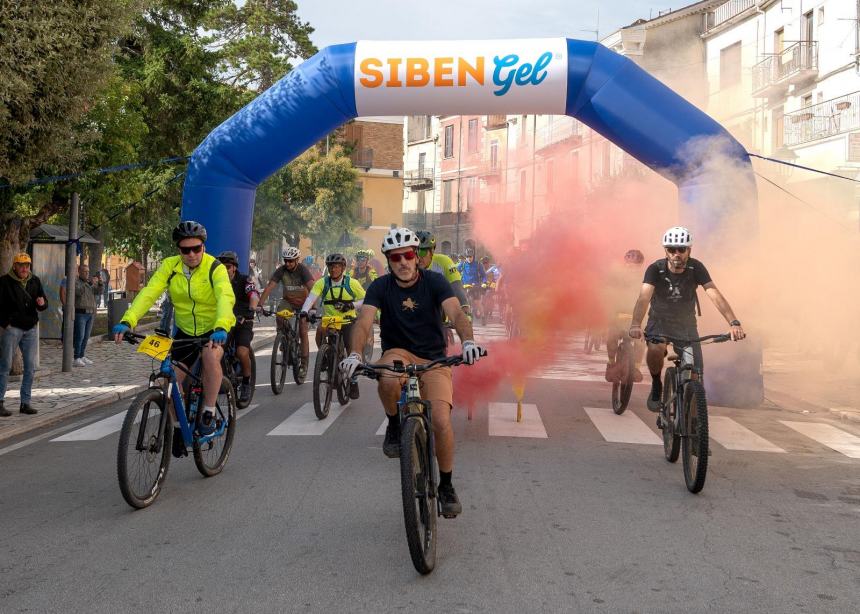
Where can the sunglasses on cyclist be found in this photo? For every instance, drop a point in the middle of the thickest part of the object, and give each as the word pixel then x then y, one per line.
pixel 676 250
pixel 399 257
pixel 192 248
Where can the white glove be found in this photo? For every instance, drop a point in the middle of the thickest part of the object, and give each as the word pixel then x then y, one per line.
pixel 471 352
pixel 349 364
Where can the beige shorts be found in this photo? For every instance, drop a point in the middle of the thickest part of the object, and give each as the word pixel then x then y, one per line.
pixel 436 384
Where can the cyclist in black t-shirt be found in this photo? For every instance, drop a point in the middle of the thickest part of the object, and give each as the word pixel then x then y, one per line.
pixel 412 302
pixel 669 288
pixel 246 304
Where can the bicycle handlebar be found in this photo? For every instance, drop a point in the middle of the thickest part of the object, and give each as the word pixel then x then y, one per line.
pixel 135 338
pixel 706 339
pixel 371 371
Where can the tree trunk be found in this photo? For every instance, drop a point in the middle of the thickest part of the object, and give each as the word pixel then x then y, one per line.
pixel 14 234
pixel 95 250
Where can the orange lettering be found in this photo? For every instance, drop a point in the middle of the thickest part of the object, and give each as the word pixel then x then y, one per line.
pixel 394 77
pixel 477 71
pixel 374 77
pixel 444 67
pixel 417 72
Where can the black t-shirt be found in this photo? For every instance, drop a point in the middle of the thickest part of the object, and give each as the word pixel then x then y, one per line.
pixel 411 317
pixel 243 288
pixel 295 282
pixel 674 297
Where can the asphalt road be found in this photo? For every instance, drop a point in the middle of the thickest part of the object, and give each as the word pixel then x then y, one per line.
pixel 571 522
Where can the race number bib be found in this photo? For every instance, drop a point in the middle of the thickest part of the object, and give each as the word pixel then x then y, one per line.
pixel 155 346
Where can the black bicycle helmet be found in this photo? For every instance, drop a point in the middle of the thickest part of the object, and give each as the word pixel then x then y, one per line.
pixel 426 240
pixel 229 257
pixel 335 259
pixel 189 229
pixel 634 256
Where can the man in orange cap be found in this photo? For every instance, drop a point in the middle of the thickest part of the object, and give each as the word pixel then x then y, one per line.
pixel 21 297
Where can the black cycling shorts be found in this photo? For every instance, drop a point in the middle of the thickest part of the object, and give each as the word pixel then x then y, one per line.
pixel 243 333
pixel 188 354
pixel 657 327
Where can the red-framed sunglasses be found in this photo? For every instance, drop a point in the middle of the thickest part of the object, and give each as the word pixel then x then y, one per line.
pixel 398 257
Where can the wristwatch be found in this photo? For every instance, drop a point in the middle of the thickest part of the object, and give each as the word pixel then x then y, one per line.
pixel 735 323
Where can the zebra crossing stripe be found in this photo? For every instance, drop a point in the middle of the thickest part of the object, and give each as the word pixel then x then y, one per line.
pixel 832 437
pixel 304 421
pixel 96 430
pixel 734 436
pixel 626 428
pixel 502 421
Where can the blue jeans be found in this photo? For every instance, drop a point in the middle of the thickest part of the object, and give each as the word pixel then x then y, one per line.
pixel 83 328
pixel 28 341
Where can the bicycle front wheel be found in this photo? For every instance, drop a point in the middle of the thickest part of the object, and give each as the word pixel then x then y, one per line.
pixel 278 365
pixel 695 442
pixel 341 383
pixel 211 456
pixel 622 389
pixel 671 437
pixel 324 381
pixel 142 456
pixel 419 503
pixel 295 351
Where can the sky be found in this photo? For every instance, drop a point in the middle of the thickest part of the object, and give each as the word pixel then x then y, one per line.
pixel 342 21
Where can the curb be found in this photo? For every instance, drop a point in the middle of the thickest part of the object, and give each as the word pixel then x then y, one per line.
pixel 94 403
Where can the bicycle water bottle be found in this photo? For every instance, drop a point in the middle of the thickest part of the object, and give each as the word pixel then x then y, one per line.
pixel 194 399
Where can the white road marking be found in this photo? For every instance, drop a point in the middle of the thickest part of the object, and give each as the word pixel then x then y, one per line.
pixel 304 421
pixel 382 427
pixel 626 428
pixel 502 421
pixel 832 437
pixel 241 413
pixel 734 436
pixel 96 430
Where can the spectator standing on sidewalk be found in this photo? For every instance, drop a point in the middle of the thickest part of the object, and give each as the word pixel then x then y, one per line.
pixel 85 313
pixel 21 297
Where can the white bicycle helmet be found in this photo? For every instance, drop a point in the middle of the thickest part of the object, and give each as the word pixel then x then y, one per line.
pixel 677 236
pixel 291 253
pixel 399 237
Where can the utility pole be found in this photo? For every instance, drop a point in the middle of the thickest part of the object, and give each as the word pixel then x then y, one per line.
pixel 71 280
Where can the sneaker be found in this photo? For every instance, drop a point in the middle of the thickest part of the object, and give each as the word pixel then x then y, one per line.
pixel 178 450
pixel 207 424
pixel 5 413
pixel 26 409
pixel 303 370
pixel 654 401
pixel 448 501
pixel 79 362
pixel 353 391
pixel 244 393
pixel 391 445
pixel 86 360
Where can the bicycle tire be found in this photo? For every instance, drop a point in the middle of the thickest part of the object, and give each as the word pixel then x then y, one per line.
pixel 252 383
pixel 208 463
pixel 142 497
pixel 342 384
pixel 671 439
pixel 278 364
pixel 622 389
pixel 586 346
pixel 419 505
pixel 295 354
pixel 322 387
pixel 695 442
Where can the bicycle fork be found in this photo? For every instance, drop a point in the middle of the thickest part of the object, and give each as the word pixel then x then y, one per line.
pixel 411 394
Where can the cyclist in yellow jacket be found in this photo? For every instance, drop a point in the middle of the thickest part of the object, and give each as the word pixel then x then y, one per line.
pixel 203 300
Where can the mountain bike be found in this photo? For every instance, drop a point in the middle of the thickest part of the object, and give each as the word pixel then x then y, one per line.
pixel 286 349
pixel 683 416
pixel 474 294
pixel 625 360
pixel 232 368
pixel 419 472
pixel 146 437
pixel 327 375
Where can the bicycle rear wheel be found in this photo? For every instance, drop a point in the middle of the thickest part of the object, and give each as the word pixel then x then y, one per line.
pixel 252 384
pixel 211 456
pixel 622 389
pixel 295 353
pixel 419 504
pixel 143 460
pixel 278 365
pixel 695 442
pixel 671 438
pixel 323 381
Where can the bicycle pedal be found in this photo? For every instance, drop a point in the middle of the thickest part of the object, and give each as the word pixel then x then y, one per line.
pixel 449 516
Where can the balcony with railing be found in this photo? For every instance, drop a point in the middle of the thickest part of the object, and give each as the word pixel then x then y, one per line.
pixel 558 129
pixel 822 120
pixel 419 179
pixel 775 73
pixel 726 11
pixel 362 157
pixel 494 122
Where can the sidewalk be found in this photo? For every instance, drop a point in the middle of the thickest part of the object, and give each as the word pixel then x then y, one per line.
pixel 118 372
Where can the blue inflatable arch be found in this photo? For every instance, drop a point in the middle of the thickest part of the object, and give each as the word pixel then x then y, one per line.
pixel 584 80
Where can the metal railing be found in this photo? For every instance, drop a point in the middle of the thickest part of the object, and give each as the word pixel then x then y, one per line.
pixel 419 179
pixel 822 120
pixel 726 11
pixel 794 63
pixel 362 157
pixel 557 129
